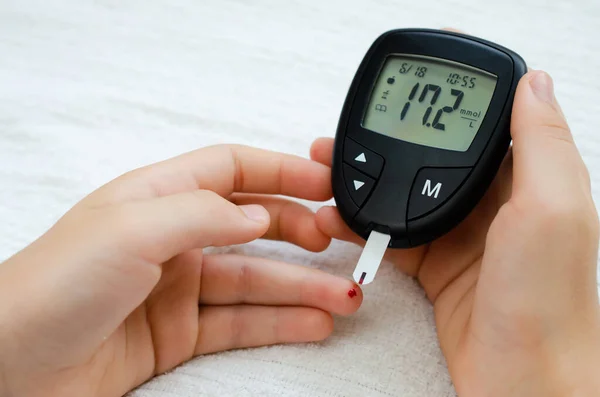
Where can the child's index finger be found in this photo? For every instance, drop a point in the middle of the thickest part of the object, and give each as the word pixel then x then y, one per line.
pixel 224 169
pixel 234 279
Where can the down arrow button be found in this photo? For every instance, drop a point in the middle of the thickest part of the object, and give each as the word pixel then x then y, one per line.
pixel 358 184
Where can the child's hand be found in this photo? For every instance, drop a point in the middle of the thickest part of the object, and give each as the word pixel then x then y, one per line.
pixel 514 286
pixel 119 290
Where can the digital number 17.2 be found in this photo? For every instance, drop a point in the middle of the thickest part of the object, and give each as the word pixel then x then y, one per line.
pixel 436 91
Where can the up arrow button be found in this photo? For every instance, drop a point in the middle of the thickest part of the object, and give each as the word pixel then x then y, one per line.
pixel 361 158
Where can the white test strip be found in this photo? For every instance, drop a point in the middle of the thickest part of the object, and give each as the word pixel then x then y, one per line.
pixel 371 257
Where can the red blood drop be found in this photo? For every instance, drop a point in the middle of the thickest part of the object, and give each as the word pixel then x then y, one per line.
pixel 352 293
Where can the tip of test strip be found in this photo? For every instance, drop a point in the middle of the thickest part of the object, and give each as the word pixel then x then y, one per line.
pixel 371 257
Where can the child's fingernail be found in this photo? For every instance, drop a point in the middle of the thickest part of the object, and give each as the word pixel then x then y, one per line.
pixel 542 86
pixel 255 212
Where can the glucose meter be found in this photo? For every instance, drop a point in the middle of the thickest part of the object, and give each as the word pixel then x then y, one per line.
pixel 421 136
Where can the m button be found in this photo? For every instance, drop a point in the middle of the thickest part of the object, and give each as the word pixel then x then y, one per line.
pixel 432 187
pixel 358 185
pixel 362 158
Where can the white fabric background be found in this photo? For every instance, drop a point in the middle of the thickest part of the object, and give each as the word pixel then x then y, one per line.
pixel 91 89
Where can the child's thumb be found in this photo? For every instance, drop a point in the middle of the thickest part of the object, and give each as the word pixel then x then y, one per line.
pixel 164 227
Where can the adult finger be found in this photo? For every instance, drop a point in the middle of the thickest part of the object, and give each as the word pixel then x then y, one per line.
pixel 224 169
pixel 290 221
pixel 233 327
pixel 236 279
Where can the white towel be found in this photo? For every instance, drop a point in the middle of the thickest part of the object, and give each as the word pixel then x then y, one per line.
pixel 91 89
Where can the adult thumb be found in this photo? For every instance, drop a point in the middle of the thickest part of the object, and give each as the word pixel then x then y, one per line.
pixel 550 224
pixel 547 165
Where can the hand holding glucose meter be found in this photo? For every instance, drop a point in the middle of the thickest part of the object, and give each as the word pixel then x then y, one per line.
pixel 421 136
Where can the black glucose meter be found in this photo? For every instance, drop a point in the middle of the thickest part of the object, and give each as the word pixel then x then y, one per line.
pixel 422 133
